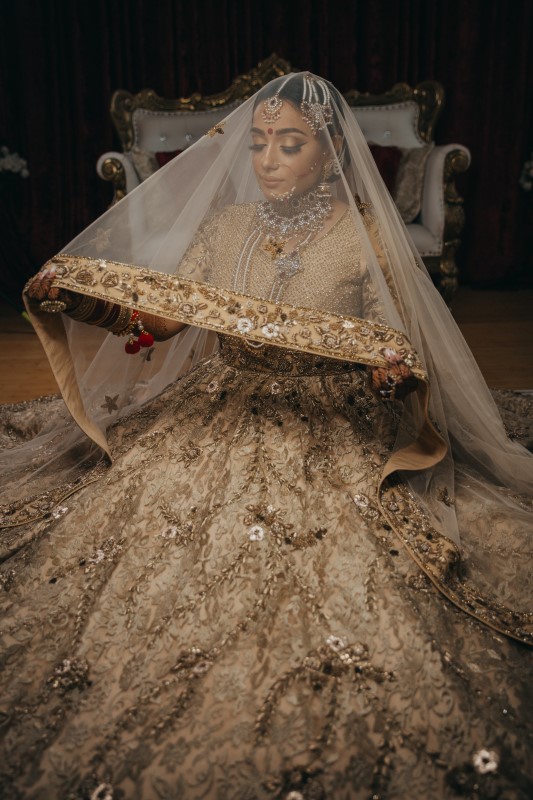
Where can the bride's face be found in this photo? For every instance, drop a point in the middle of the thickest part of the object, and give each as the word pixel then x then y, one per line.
pixel 287 156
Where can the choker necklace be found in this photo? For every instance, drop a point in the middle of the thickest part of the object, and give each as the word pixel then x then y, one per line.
pixel 295 215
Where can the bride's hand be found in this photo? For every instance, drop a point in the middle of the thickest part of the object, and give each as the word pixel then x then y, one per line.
pixel 41 287
pixel 394 382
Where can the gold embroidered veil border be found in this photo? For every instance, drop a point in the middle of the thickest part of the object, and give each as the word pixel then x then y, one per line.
pixel 220 310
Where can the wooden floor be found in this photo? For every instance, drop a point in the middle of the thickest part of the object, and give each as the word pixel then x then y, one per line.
pixel 498 326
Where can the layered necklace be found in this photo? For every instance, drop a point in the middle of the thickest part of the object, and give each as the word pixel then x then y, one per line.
pixel 296 218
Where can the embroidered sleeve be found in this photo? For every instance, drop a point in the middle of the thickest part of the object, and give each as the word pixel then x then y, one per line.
pixel 197 261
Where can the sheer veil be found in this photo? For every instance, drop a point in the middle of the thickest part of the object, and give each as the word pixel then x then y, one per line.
pixel 156 241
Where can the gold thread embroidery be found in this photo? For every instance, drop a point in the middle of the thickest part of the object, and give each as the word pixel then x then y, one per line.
pixel 218 128
pixel 184 300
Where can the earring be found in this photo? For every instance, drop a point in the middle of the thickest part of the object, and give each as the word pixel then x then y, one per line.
pixel 327 170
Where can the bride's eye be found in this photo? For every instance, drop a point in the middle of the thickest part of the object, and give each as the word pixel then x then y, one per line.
pixel 295 148
pixel 256 147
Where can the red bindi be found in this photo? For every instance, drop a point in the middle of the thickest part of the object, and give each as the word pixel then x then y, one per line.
pixel 270 131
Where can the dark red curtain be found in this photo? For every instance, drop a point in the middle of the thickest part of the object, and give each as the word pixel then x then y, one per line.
pixel 60 61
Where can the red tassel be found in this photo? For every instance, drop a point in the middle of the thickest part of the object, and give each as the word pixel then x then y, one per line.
pixel 132 347
pixel 137 336
pixel 145 339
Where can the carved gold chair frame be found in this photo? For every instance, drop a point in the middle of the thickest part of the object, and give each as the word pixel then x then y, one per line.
pixel 124 104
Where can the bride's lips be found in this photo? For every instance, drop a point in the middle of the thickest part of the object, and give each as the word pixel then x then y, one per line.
pixel 271 181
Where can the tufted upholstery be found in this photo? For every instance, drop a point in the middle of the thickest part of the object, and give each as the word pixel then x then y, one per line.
pixel 403 117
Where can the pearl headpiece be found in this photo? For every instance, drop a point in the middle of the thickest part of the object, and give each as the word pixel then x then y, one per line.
pixel 315 106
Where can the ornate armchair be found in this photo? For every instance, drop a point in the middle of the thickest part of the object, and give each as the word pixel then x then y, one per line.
pixel 153 129
pixel 404 119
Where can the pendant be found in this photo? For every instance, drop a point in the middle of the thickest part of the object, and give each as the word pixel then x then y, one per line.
pixel 288 264
pixel 274 247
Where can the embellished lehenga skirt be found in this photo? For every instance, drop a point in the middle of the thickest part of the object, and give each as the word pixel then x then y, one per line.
pixel 225 613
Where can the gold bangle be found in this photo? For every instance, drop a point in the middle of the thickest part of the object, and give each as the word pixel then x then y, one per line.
pixel 112 316
pixel 132 327
pixel 122 322
pixel 105 315
pixel 83 310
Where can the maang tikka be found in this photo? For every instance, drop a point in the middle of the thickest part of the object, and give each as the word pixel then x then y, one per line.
pixel 315 106
pixel 272 105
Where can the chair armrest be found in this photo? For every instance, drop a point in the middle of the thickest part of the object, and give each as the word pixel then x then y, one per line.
pixel 444 162
pixel 117 168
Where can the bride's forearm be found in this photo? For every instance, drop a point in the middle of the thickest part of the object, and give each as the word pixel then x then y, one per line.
pixel 161 328
pixel 116 318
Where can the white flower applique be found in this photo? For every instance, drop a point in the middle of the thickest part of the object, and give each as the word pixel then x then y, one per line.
pixel 256 533
pixel 270 330
pixel 485 761
pixel 244 325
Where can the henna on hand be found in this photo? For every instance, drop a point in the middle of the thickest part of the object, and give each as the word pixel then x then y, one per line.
pixel 394 382
pixel 41 287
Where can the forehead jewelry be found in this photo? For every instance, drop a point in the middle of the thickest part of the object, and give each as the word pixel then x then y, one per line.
pixel 315 106
pixel 316 103
pixel 272 105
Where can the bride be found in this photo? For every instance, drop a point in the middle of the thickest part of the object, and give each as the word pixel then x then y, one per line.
pixel 282 552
